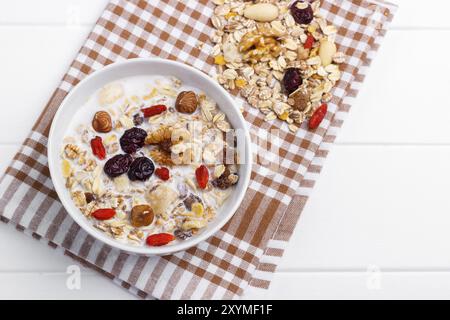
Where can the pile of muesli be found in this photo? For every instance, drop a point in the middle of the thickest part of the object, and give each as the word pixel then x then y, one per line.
pixel 151 165
pixel 280 55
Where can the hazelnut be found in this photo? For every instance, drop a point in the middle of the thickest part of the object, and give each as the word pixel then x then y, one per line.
pixel 102 122
pixel 186 102
pixel 141 215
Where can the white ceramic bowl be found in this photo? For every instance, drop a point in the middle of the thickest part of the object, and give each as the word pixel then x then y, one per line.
pixel 136 67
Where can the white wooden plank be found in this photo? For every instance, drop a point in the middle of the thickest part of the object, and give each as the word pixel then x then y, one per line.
pixel 54 286
pixel 32 67
pixel 382 206
pixel 404 98
pixel 50 12
pixel 364 285
pixel 308 285
pixel 412 13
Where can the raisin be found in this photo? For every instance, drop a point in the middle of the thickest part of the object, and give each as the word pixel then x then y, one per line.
pixel 133 139
pixel 190 200
pixel 222 182
pixel 138 119
pixel 141 216
pixel 89 197
pixel 302 16
pixel 182 235
pixel 292 80
pixel 117 165
pixel 141 169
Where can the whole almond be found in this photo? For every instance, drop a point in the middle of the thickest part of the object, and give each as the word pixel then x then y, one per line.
pixel 102 122
pixel 262 12
pixel 326 52
pixel 186 102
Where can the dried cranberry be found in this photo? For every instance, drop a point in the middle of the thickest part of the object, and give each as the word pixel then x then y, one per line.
pixel 138 119
pixel 141 169
pixel 133 139
pixel 292 80
pixel 302 16
pixel 117 165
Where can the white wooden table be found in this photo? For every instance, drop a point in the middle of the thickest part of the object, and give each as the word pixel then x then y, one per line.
pixel 378 223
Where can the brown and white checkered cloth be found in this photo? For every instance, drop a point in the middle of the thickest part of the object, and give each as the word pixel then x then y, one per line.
pixel 245 253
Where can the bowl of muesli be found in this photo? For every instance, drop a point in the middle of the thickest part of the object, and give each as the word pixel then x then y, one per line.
pixel 150 156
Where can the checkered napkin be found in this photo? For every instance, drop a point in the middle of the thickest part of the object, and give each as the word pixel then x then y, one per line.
pixel 245 253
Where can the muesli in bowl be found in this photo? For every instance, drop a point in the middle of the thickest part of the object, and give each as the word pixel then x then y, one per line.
pixel 152 162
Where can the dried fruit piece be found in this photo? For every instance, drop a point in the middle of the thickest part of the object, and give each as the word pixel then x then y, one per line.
pixel 138 119
pixel 198 209
pixel 318 116
pixel 117 165
pixel 98 149
pixel 133 139
pixel 141 216
pixel 141 169
pixel 104 214
pixel 292 80
pixel 220 60
pixel 302 12
pixel 154 110
pixel 89 197
pixel 160 239
pixel 190 200
pixel 225 181
pixel 186 102
pixel 66 168
pixel 102 122
pixel 309 42
pixel 183 235
pixel 194 224
pixel 202 176
pixel 163 173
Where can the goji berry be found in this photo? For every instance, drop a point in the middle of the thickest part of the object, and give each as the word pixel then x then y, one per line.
pixel 160 239
pixel 154 110
pixel 318 116
pixel 309 42
pixel 104 214
pixel 163 173
pixel 98 149
pixel 202 175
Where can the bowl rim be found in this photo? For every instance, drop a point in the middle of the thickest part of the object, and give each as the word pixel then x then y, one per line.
pixel 146 250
